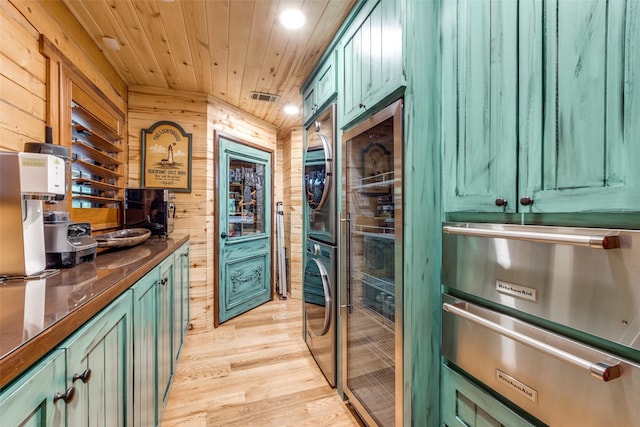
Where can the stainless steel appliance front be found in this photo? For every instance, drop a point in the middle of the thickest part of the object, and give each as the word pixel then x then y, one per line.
pixel 320 306
pixel 319 188
pixel 538 314
pixel 372 267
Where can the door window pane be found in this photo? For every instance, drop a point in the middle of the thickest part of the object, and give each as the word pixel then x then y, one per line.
pixel 246 198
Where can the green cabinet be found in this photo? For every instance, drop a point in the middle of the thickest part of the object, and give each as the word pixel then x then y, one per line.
pixel 99 367
pixel 479 85
pixel 371 53
pixel 30 400
pixel 159 302
pixel 85 381
pixel 537 117
pixel 181 298
pixel 144 348
pixel 165 330
pixel 320 90
pixel 463 404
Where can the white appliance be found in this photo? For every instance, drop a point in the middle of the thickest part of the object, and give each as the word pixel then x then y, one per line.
pixel 26 180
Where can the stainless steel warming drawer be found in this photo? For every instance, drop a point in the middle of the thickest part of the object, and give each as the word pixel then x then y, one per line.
pixel 548 317
pixel 548 375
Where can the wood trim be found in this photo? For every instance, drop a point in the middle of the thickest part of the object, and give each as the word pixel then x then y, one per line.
pixel 51 52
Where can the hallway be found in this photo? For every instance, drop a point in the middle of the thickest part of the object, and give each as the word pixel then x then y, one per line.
pixel 254 370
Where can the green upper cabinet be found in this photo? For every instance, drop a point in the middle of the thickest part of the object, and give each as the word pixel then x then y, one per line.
pixel 579 105
pixel 320 90
pixel 549 125
pixel 479 100
pixel 371 51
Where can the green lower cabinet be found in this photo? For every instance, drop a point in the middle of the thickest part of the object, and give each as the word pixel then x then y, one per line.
pixel 156 331
pixel 181 299
pixel 165 330
pixel 144 349
pixel 99 366
pixel 30 400
pixel 463 404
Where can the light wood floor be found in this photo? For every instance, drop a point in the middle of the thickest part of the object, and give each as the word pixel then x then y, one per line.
pixel 254 370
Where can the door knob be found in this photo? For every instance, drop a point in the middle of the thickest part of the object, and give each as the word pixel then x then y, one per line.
pixel 223 235
pixel 501 202
pixel 526 201
pixel 85 376
pixel 67 396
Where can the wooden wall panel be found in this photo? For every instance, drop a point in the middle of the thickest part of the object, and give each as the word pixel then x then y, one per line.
pixel 23 70
pixel 189 110
pixel 199 115
pixel 293 209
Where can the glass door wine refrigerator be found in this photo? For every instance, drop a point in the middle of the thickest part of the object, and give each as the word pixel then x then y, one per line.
pixel 372 273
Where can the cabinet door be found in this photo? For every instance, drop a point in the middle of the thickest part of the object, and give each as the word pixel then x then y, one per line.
pixel 372 55
pixel 29 401
pixel 580 105
pixel 181 299
pixel 321 89
pixel 145 350
pixel 165 331
pixel 99 366
pixel 309 107
pixel 464 404
pixel 479 105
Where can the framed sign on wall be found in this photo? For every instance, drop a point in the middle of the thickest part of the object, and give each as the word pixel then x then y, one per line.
pixel 166 157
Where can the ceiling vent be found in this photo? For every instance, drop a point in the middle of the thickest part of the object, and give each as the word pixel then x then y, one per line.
pixel 261 96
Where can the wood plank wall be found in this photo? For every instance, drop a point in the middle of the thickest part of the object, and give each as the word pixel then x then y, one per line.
pixel 293 209
pixel 199 115
pixel 23 106
pixel 23 74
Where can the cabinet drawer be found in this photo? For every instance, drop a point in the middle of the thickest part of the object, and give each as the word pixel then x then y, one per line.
pixel 464 404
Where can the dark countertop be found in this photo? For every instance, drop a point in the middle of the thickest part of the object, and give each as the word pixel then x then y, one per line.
pixel 37 315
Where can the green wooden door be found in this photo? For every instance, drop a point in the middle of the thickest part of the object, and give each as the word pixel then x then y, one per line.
pixel 580 105
pixel 244 242
pixel 479 100
pixel 372 55
pixel 165 330
pixel 145 350
pixel 465 405
pixel 99 366
pixel 29 401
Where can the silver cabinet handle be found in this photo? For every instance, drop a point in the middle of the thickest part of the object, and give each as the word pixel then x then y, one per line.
pixel 604 371
pixel 595 241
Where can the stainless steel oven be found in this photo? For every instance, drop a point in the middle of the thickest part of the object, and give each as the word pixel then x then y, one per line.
pixel 547 318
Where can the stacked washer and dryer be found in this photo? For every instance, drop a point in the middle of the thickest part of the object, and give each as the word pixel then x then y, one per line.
pixel 320 273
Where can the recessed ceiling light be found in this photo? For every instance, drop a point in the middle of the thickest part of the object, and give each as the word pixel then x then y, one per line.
pixel 110 43
pixel 291 109
pixel 292 18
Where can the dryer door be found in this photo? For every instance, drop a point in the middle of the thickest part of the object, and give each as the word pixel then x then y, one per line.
pixel 317 297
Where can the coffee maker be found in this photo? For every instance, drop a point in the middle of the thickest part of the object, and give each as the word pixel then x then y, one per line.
pixel 27 179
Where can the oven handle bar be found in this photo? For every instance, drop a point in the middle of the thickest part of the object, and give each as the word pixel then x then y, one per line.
pixel 604 371
pixel 594 241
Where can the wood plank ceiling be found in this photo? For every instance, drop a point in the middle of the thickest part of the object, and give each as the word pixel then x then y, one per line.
pixel 225 48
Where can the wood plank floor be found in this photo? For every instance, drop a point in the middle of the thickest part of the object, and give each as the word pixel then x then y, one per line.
pixel 254 370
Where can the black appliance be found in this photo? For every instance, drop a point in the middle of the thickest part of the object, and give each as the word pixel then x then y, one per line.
pixel 150 208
